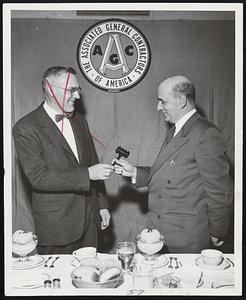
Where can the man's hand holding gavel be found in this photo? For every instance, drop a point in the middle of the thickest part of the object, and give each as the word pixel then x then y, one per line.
pixel 124 168
pixel 121 166
pixel 100 171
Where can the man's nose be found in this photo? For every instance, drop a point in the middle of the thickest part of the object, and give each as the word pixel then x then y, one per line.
pixel 159 105
pixel 76 95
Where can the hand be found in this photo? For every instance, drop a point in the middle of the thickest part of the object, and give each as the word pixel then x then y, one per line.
pixel 216 241
pixel 100 171
pixel 124 168
pixel 105 218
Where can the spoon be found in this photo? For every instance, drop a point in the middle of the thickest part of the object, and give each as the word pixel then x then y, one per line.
pixel 170 265
pixel 52 265
pixel 45 265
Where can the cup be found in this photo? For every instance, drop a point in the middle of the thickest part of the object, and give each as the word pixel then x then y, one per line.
pixel 85 252
pixel 211 257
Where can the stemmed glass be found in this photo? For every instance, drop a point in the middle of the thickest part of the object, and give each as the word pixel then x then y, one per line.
pixel 23 250
pixel 150 248
pixel 125 252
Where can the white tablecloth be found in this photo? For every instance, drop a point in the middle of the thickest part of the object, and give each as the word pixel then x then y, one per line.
pixel 189 273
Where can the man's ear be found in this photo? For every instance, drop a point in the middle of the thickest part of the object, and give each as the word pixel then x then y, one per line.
pixel 48 88
pixel 182 101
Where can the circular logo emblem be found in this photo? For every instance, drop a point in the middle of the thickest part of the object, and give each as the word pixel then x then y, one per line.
pixel 113 55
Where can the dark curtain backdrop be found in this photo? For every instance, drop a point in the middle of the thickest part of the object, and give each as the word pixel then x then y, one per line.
pixel 201 50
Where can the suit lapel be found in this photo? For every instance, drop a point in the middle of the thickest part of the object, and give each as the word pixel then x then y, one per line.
pixel 173 146
pixel 167 151
pixel 48 126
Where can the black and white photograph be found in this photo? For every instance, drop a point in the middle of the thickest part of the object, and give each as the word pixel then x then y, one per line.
pixel 123 128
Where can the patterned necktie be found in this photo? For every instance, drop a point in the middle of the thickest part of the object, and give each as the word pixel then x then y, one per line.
pixel 170 133
pixel 58 118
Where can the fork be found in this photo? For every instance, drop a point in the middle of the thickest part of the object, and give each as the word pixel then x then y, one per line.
pixel 52 265
pixel 170 264
pixel 176 260
pixel 45 265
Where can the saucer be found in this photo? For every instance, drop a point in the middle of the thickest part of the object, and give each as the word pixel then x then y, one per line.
pixel 222 266
pixel 220 284
pixel 31 262
pixel 158 262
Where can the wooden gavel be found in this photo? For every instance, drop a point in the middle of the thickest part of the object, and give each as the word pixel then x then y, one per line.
pixel 121 153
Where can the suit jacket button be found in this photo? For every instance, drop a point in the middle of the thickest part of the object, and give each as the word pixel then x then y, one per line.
pixel 168 181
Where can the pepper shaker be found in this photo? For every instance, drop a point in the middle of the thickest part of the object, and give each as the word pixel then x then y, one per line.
pixel 56 283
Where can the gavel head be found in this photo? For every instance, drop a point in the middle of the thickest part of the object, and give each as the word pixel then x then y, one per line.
pixel 122 152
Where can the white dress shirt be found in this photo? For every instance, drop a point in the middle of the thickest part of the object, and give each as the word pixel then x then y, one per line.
pixel 183 120
pixel 65 128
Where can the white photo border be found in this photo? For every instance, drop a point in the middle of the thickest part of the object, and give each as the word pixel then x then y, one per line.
pixel 238 9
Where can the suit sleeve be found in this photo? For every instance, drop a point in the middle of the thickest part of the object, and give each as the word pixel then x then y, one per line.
pixel 214 169
pixel 97 184
pixel 29 151
pixel 142 176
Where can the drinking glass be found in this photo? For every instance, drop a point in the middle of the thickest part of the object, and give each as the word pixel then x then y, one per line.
pixel 125 252
pixel 149 248
pixel 23 249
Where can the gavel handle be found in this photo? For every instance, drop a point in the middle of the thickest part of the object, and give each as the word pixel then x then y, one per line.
pixel 115 163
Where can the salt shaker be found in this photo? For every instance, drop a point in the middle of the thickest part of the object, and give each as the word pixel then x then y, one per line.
pixel 56 283
pixel 47 283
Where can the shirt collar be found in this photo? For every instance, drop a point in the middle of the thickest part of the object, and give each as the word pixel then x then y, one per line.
pixel 50 111
pixel 183 120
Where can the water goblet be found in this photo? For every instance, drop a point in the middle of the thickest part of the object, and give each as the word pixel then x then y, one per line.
pixel 150 248
pixel 23 249
pixel 125 252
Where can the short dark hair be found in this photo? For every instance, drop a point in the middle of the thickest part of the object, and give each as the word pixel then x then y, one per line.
pixel 55 71
pixel 185 88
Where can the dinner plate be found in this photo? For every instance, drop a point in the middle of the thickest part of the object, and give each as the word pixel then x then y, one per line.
pixel 32 283
pixel 222 266
pixel 32 262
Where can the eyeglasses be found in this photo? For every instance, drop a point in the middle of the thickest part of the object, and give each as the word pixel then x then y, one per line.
pixel 72 90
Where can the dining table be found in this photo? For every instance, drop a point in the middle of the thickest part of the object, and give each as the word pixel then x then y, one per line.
pixel 195 276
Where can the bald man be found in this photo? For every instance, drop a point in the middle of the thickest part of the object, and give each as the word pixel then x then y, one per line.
pixel 190 190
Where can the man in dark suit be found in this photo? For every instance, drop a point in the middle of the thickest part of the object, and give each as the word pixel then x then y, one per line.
pixel 190 190
pixel 57 154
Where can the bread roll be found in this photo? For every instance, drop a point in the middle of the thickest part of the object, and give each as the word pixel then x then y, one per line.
pixel 87 273
pixel 91 261
pixel 110 274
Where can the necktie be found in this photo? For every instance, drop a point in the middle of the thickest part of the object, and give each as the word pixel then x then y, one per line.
pixel 170 133
pixel 58 118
